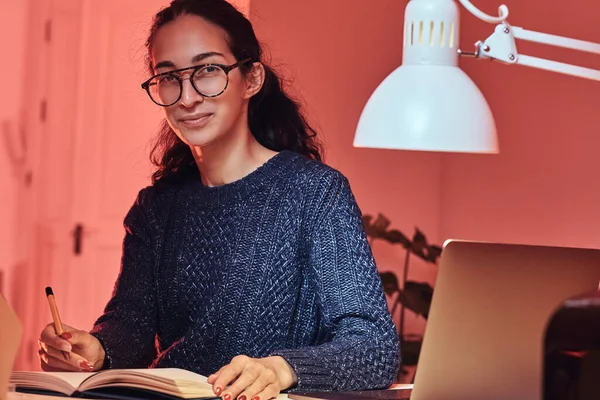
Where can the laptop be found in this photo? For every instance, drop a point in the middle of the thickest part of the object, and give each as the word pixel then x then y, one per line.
pixel 485 332
pixel 10 338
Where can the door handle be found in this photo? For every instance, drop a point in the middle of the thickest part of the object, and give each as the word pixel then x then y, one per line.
pixel 77 239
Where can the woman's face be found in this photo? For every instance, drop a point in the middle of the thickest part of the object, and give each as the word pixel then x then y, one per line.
pixel 197 120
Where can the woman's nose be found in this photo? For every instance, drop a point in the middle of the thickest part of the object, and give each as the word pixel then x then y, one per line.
pixel 189 95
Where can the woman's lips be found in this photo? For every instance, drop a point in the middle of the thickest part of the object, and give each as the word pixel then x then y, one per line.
pixel 196 121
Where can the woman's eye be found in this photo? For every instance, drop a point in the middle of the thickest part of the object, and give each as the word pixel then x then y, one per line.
pixel 210 69
pixel 167 78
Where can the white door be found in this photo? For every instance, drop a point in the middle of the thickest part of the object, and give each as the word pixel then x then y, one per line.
pixel 91 154
pixel 114 124
pixel 45 203
pixel 90 157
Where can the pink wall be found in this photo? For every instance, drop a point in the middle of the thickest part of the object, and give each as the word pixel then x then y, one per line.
pixel 12 39
pixel 542 187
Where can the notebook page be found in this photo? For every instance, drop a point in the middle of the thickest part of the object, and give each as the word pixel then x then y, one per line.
pixel 65 382
pixel 166 375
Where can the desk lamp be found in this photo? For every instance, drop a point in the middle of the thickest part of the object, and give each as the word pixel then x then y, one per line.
pixel 429 103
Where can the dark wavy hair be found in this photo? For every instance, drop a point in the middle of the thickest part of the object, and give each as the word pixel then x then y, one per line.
pixel 274 117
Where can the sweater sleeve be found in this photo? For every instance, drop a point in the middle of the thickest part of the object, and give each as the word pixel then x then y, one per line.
pixel 128 326
pixel 363 350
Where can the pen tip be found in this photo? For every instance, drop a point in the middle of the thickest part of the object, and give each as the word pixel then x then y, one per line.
pixel 49 291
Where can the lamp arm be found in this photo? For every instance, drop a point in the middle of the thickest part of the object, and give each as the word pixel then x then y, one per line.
pixel 554 40
pixel 563 68
pixel 502 12
pixel 501 46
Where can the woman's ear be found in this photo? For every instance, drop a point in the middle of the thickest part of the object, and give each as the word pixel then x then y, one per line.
pixel 255 79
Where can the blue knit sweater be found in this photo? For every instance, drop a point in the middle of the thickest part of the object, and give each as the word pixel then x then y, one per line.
pixel 276 263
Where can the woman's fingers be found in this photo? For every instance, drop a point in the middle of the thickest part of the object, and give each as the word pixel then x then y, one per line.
pixel 212 377
pixel 251 375
pixel 50 338
pixel 263 385
pixel 246 378
pixel 269 392
pixel 55 358
pixel 73 346
pixel 222 385
pixel 54 364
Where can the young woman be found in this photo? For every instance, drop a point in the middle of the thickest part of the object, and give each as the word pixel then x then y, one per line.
pixel 246 260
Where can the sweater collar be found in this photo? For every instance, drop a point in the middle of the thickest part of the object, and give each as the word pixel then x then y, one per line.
pixel 240 189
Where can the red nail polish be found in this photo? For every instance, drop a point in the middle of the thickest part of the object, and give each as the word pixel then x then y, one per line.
pixel 66 336
pixel 218 391
pixel 86 366
pixel 256 398
pixel 242 397
pixel 227 397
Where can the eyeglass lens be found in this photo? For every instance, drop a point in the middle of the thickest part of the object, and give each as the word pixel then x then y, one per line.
pixel 210 80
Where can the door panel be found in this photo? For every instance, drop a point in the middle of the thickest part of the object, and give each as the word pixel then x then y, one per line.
pixel 116 122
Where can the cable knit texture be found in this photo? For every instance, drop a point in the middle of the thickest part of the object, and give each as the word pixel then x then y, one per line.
pixel 276 263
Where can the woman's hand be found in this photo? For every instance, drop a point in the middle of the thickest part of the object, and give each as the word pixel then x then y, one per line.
pixel 248 378
pixel 74 350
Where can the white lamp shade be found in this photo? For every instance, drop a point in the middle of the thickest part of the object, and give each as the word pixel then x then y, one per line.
pixel 428 108
pixel 428 103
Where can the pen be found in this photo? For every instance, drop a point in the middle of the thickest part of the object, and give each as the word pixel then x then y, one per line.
pixel 56 318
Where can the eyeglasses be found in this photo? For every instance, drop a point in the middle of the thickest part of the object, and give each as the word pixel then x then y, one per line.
pixel 209 80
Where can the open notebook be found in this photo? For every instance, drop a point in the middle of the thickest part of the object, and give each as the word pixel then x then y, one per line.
pixel 171 383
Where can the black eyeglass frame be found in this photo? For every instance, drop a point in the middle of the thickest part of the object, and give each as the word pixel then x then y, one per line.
pixel 195 68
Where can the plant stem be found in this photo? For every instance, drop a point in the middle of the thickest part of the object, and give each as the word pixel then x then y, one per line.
pixel 404 278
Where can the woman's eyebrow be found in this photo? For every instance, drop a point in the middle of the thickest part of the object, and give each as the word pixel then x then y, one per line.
pixel 197 58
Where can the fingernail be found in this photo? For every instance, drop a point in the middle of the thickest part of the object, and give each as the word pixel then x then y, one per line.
pixel 66 355
pixel 227 397
pixel 256 398
pixel 66 336
pixel 242 397
pixel 86 366
pixel 218 391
